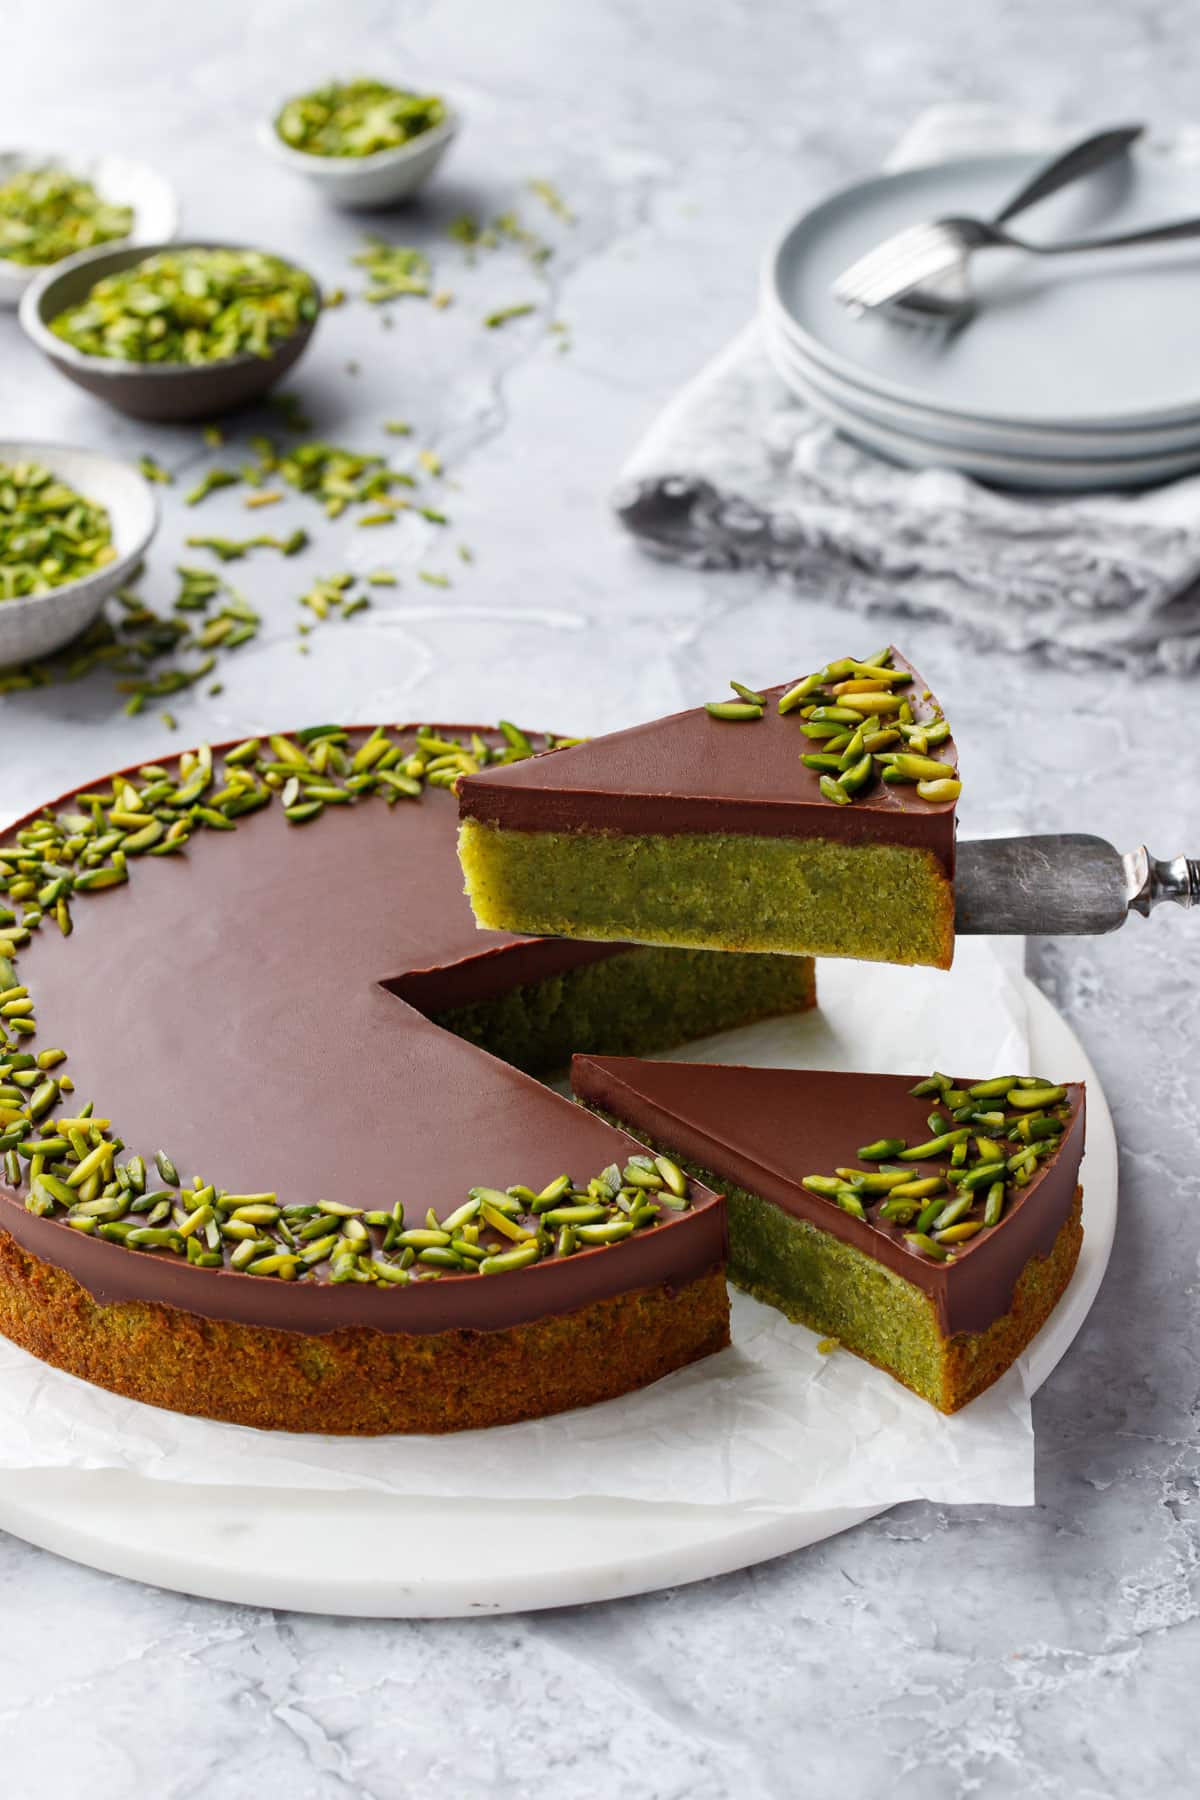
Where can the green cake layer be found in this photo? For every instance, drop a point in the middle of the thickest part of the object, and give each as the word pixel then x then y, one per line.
pixel 878 902
pixel 814 818
pixel 818 1280
pixel 632 1004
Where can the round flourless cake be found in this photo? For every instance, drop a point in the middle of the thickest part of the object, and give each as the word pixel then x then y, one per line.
pixel 277 1177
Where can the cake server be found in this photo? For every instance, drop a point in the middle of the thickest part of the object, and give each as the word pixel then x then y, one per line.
pixel 1065 885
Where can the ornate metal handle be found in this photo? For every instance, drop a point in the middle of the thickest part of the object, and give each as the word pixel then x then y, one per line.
pixel 1148 881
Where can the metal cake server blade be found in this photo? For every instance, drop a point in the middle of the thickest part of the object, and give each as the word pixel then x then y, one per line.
pixel 1065 885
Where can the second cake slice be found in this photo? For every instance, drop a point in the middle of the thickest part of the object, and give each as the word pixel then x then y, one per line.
pixel 930 1226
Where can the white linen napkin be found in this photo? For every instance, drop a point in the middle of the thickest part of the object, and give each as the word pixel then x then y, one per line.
pixel 739 473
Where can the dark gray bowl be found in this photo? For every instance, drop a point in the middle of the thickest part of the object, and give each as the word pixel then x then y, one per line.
pixel 167 391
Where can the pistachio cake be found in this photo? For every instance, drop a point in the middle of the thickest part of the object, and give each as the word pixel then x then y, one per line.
pixel 812 818
pixel 930 1226
pixel 257 1161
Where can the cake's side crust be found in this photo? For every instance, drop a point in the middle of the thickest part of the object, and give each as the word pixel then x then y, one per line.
pixel 642 1000
pixel 359 1382
pixel 972 1363
pixel 718 891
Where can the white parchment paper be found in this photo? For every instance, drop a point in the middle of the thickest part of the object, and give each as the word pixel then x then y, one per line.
pixel 769 1422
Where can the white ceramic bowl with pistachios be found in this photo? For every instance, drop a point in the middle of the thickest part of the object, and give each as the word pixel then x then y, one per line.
pixel 119 182
pixel 355 181
pixel 34 624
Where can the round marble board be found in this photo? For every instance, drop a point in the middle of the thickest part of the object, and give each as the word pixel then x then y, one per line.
pixel 252 1546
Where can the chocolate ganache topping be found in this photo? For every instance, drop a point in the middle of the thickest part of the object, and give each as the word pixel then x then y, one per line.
pixel 251 1006
pixel 690 773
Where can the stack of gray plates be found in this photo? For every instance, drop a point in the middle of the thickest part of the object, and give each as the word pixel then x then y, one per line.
pixel 1075 373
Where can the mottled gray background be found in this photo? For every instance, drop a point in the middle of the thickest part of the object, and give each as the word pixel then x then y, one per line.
pixel 931 1654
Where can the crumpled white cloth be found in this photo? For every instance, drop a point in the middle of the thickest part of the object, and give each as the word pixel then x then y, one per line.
pixel 738 473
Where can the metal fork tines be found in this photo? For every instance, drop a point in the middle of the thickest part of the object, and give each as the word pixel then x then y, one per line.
pixel 919 254
pixel 924 266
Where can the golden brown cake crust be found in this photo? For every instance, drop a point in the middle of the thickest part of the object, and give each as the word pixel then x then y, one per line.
pixel 972 1363
pixel 358 1382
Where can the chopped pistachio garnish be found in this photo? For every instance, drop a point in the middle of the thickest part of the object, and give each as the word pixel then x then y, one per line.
pixel 549 195
pixel 393 271
pixel 192 306
pixel 327 597
pixel 209 483
pixel 734 711
pixel 291 411
pixel 504 314
pixel 335 476
pixel 863 727
pixel 231 549
pixel 46 214
pixel 49 534
pixel 505 229
pixel 64 1158
pixel 144 638
pixel 987 1139
pixel 154 471
pixel 357 118
pixel 465 230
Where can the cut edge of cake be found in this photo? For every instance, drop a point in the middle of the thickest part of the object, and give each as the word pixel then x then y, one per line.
pixel 943 1308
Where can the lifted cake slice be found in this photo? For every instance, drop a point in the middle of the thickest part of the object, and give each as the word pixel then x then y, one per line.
pixel 814 818
pixel 931 1226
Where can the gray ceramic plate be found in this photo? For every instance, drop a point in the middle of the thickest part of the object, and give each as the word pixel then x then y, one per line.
pixel 40 623
pixel 1105 342
pixel 1057 474
pixel 958 433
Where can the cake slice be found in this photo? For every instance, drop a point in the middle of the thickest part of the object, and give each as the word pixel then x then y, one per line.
pixel 929 1226
pixel 815 818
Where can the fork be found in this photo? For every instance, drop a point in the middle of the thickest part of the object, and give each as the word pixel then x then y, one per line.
pixel 937 251
pixel 978 234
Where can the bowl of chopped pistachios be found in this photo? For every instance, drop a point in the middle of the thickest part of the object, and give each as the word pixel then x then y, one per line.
pixel 182 331
pixel 74 525
pixel 52 206
pixel 362 143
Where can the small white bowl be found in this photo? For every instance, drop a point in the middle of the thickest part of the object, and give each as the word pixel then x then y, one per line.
pixel 363 182
pixel 39 623
pixel 116 178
